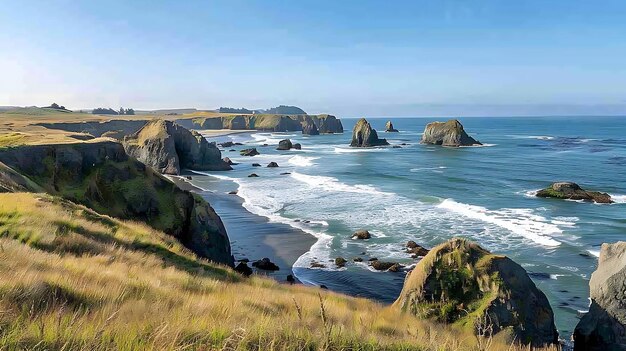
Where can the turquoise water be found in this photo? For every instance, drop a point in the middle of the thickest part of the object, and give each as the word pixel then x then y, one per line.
pixel 430 193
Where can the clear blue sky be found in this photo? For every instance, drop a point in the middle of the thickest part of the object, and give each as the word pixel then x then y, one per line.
pixel 345 57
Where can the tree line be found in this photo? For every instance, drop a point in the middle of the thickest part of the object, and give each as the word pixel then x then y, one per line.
pixel 110 111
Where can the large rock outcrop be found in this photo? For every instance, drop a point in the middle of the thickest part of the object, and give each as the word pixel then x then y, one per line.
pixel 460 282
pixel 328 124
pixel 265 122
pixel 363 135
pixel 168 147
pixel 603 328
pixel 450 133
pixel 309 127
pixel 573 191
pixel 101 176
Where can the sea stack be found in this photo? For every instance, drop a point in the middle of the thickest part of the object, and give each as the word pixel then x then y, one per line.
pixel 309 127
pixel 389 128
pixel 573 191
pixel 363 135
pixel 460 282
pixel 604 326
pixel 450 133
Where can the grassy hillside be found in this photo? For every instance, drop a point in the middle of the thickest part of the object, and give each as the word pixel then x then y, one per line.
pixel 74 279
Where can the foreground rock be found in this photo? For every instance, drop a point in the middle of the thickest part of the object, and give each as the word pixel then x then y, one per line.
pixel 265 264
pixel 604 326
pixel 389 128
pixel 385 266
pixel 573 191
pixel 415 249
pixel 363 135
pixel 460 282
pixel 450 133
pixel 168 148
pixel 101 176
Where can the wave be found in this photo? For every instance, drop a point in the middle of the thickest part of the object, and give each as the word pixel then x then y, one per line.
pixel 427 168
pixel 618 199
pixel 302 161
pixel 341 150
pixel 333 185
pixel 520 221
pixel 483 145
pixel 537 137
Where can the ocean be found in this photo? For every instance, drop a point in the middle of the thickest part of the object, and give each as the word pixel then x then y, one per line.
pixel 430 193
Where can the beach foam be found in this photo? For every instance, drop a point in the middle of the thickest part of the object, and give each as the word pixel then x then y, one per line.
pixel 302 161
pixel 520 221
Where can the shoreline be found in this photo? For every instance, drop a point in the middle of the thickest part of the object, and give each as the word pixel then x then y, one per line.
pixel 253 237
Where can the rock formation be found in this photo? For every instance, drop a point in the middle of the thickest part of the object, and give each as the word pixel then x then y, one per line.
pixel 572 191
pixel 101 176
pixel 364 136
pixel 265 122
pixel 309 127
pixel 604 326
pixel 361 234
pixel 460 282
pixel 328 124
pixel 284 145
pixel 168 148
pixel 389 128
pixel 450 133
pixel 249 152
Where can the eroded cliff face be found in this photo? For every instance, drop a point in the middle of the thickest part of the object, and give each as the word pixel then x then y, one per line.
pixel 325 124
pixel 450 133
pixel 460 282
pixel 604 326
pixel 168 148
pixel 100 175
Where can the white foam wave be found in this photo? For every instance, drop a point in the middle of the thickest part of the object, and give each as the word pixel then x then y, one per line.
pixel 427 168
pixel 520 221
pixel 594 252
pixel 333 185
pixel 538 137
pixel 483 145
pixel 618 199
pixel 302 161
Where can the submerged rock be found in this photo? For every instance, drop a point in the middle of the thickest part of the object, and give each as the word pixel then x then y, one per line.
pixel 340 261
pixel 361 234
pixel 256 165
pixel 265 264
pixel 297 146
pixel 572 191
pixel 363 135
pixel 604 326
pixel 460 282
pixel 389 128
pixel 168 147
pixel 414 248
pixel 383 265
pixel 272 165
pixel 450 133
pixel 253 175
pixel 249 152
pixel 284 145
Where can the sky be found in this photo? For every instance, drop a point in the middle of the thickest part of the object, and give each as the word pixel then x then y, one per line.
pixel 349 58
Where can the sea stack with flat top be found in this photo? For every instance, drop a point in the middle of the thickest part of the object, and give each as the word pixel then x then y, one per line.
pixel 363 135
pixel 450 133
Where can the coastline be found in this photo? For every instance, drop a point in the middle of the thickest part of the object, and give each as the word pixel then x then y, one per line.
pixel 253 237
pixel 211 133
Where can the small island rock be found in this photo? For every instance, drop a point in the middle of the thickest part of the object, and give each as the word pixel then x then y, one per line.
pixel 450 133
pixel 573 191
pixel 389 128
pixel 361 234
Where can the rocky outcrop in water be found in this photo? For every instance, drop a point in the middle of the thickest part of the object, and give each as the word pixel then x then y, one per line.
pixel 328 124
pixel 363 135
pixel 101 176
pixel 284 145
pixel 460 282
pixel 168 148
pixel 604 326
pixel 309 127
pixel 249 152
pixel 389 128
pixel 265 122
pixel 450 133
pixel 573 191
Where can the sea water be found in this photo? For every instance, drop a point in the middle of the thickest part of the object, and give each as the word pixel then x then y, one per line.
pixel 431 193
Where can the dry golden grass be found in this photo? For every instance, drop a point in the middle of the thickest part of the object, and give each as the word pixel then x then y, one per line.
pixel 72 279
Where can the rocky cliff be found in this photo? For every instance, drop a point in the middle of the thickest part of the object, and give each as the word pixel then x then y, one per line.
pixel 168 147
pixel 604 326
pixel 450 133
pixel 100 175
pixel 266 122
pixel 309 127
pixel 363 135
pixel 115 128
pixel 460 282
